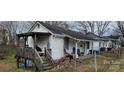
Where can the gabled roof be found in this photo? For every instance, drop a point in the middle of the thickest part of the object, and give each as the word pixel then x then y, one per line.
pixel 53 29
pixel 114 37
pixel 103 38
pixel 61 31
pixel 107 38
pixel 69 33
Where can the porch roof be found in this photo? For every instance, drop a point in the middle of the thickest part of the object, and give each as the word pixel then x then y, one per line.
pixel 112 38
pixel 94 36
pixel 32 34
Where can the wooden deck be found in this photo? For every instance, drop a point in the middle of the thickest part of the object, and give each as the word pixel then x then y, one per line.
pixel 40 62
pixel 25 52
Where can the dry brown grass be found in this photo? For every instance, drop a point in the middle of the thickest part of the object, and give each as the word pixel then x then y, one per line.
pixel 8 64
pixel 104 64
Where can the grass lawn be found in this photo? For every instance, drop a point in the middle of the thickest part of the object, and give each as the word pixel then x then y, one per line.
pixel 88 65
pixel 104 64
pixel 9 63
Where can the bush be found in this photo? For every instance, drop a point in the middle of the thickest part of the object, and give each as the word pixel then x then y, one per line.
pixel 102 49
pixel 109 49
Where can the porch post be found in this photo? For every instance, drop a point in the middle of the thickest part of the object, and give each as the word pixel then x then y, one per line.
pixel 92 47
pixel 35 48
pixel 85 49
pixel 100 46
pixel 25 56
pixel 76 55
pixel 35 41
pixel 76 45
pixel 25 41
pixel 18 41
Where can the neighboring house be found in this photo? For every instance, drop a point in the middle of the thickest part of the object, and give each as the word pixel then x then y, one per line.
pixel 111 41
pixel 102 42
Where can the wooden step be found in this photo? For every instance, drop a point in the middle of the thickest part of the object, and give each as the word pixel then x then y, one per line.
pixel 47 66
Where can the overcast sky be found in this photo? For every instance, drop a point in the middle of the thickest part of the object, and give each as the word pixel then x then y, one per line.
pixel 24 26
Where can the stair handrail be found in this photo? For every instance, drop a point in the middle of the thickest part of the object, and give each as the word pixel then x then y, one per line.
pixel 39 56
pixel 48 54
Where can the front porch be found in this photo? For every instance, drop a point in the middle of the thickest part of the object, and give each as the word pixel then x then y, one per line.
pixel 77 48
pixel 34 50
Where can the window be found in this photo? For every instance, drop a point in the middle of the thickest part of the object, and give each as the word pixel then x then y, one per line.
pixel 88 45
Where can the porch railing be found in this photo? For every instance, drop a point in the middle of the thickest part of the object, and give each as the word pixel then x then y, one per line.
pixel 31 54
pixel 26 52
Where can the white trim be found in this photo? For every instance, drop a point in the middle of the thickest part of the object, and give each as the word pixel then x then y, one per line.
pixel 32 27
pixel 35 24
pixel 58 35
pixel 47 29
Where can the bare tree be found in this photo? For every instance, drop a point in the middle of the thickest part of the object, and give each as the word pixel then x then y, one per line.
pixel 86 26
pixel 3 36
pixel 14 27
pixel 24 26
pixel 99 27
pixel 11 27
pixel 54 23
pixel 63 24
pixel 119 28
pixel 102 27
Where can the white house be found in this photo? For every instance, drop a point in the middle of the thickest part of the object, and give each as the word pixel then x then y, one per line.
pixel 111 41
pixel 59 41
